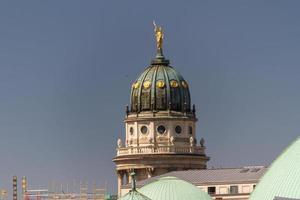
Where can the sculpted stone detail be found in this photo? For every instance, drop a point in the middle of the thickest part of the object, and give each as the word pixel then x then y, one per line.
pixel 144 140
pixel 172 140
pixel 192 141
pixel 150 140
pixel 179 139
pixel 150 172
pixel 202 142
pixel 119 143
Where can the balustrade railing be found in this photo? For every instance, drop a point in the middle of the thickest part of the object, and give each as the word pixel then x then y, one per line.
pixel 160 150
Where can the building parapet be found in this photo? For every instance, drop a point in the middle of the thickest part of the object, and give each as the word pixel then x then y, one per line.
pixel 160 150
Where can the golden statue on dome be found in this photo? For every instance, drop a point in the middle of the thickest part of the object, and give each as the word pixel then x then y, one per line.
pixel 159 35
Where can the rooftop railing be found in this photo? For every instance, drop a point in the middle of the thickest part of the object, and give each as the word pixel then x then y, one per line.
pixel 160 150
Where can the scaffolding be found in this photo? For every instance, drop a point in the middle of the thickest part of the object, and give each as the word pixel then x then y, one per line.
pixel 53 193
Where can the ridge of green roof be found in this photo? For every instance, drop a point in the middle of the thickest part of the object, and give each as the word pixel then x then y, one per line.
pixel 283 177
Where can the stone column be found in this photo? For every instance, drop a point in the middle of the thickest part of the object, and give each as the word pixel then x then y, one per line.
pixel 150 172
pixel 127 175
pixel 120 181
pixel 129 171
pixel 137 132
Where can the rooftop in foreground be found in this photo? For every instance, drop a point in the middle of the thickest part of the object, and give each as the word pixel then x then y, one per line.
pixel 213 176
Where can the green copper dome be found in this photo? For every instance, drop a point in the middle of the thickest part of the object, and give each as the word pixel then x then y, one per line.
pixel 172 188
pixel 160 87
pixel 283 177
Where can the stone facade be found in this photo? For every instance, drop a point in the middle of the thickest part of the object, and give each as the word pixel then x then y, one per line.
pixel 157 143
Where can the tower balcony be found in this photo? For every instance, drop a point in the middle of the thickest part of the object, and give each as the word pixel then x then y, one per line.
pixel 134 150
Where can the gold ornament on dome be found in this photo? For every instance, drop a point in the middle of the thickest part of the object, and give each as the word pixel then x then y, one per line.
pixel 184 84
pixel 147 84
pixel 159 35
pixel 174 83
pixel 160 84
pixel 136 85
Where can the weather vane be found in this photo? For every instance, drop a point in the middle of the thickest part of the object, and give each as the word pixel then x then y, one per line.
pixel 159 35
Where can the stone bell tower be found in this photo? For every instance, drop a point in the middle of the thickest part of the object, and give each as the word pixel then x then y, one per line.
pixel 160 124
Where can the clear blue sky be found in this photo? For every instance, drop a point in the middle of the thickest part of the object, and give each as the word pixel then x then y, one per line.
pixel 66 68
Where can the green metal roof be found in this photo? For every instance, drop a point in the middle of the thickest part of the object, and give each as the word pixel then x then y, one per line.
pixel 283 177
pixel 172 188
pixel 134 195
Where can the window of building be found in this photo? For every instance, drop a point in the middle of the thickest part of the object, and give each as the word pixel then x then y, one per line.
pixel 190 130
pixel 161 129
pixel 131 130
pixel 178 129
pixel 246 189
pixel 211 190
pixel 244 170
pixel 255 170
pixel 234 189
pixel 144 129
